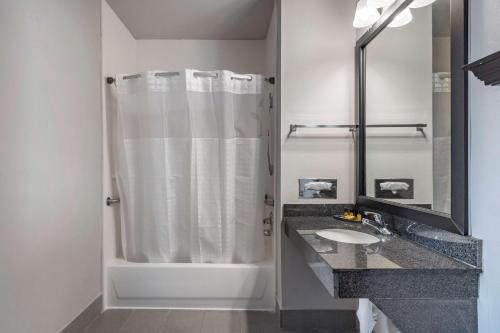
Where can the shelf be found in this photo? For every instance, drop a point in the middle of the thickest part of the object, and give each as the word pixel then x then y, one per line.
pixel 486 69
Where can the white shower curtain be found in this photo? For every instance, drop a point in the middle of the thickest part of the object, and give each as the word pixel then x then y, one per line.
pixel 190 167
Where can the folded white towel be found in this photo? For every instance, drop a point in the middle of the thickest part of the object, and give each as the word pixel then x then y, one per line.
pixel 318 186
pixel 394 187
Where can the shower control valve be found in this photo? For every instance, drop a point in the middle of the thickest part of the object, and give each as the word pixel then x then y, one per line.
pixel 268 225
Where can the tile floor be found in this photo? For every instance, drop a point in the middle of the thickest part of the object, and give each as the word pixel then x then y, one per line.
pixel 187 321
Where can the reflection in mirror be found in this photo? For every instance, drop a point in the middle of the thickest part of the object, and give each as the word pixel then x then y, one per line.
pixel 408 85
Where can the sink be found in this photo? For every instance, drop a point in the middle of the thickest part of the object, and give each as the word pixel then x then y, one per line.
pixel 347 236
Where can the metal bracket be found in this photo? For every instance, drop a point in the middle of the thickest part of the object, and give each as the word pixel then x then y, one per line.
pixel 421 130
pixel 293 128
pixel 111 201
pixel 268 200
pixel 268 221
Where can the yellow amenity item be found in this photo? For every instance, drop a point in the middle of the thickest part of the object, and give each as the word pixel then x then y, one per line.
pixel 350 216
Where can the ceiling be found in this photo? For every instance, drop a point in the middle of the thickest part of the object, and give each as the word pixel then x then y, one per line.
pixel 195 19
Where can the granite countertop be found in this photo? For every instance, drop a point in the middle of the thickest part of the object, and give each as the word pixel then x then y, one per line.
pixel 424 279
pixel 392 252
pixel 394 268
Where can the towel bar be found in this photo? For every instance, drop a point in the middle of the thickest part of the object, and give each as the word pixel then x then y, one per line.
pixel 352 128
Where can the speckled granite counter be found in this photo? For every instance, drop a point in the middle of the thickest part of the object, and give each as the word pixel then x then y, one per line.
pixel 424 279
pixel 392 268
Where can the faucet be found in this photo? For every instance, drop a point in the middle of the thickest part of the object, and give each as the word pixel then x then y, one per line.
pixel 376 221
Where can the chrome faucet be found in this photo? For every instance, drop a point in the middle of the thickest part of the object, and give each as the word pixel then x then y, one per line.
pixel 376 221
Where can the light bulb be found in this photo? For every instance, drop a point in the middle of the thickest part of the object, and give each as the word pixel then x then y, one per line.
pixel 420 3
pixel 365 15
pixel 401 19
pixel 379 3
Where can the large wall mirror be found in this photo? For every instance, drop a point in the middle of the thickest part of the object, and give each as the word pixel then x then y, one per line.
pixel 412 156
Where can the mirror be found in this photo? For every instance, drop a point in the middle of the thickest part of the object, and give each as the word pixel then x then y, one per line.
pixel 408 111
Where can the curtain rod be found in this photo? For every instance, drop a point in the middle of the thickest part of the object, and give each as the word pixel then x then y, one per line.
pixel 111 80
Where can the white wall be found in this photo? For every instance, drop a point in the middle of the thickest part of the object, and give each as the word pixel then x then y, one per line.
pixel 240 56
pixel 317 87
pixel 119 55
pixel 484 181
pixel 399 90
pixel 273 69
pixel 50 174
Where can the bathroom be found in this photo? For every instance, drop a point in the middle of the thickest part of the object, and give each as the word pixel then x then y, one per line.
pixel 249 166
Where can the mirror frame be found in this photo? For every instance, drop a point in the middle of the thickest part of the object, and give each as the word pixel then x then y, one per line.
pixel 457 221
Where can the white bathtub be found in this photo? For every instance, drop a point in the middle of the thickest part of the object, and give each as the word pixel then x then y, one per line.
pixel 189 286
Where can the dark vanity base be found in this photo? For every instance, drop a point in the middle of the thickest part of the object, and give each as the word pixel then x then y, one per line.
pixel 343 321
pixel 431 315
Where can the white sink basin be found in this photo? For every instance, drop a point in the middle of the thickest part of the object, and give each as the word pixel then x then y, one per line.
pixel 347 236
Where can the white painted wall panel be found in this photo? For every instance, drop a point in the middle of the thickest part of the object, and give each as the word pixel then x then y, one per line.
pixel 317 87
pixel 485 161
pixel 50 151
pixel 119 55
pixel 240 56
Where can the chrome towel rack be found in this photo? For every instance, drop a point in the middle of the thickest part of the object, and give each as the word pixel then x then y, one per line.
pixel 352 128
pixel 294 127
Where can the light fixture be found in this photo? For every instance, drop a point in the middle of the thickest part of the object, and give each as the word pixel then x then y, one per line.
pixel 401 19
pixel 420 3
pixel 365 15
pixel 379 3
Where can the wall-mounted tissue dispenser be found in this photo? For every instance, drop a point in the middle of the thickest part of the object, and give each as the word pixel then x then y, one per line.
pixel 316 188
pixel 397 188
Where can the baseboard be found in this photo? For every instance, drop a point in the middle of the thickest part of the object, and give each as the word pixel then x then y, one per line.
pixel 324 320
pixel 85 317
